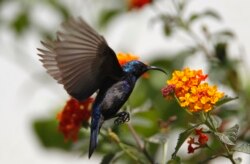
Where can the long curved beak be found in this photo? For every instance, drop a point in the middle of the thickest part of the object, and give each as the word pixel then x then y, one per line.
pixel 157 68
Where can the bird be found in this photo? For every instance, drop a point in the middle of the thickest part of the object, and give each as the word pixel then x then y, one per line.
pixel 81 60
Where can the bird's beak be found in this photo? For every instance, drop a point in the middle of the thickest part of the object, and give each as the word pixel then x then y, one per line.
pixel 156 68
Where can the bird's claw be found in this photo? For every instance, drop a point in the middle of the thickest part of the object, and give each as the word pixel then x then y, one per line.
pixel 122 117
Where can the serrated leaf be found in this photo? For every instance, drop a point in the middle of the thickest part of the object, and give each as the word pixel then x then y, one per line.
pixel 244 148
pixel 224 138
pixel 182 138
pixel 216 121
pixel 229 137
pixel 224 100
pixel 107 158
pixel 233 132
pixel 176 160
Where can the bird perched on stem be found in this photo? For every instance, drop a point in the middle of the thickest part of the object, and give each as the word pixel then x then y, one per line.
pixel 82 61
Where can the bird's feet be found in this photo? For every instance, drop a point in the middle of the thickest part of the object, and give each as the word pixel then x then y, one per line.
pixel 122 117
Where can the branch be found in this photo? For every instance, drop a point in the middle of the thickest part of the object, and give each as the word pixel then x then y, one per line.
pixel 139 143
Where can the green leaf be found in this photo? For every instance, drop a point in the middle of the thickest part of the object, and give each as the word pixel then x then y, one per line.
pixel 170 23
pixel 48 134
pixel 107 158
pixel 21 22
pixel 224 100
pixel 212 14
pixel 107 16
pixel 229 137
pixel 244 148
pixel 216 121
pixel 221 51
pixel 224 138
pixel 182 138
pixel 224 33
pixel 193 17
pixel 208 13
pixel 168 30
pixel 176 160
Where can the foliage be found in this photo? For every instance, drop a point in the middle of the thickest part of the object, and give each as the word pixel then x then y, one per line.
pixel 146 136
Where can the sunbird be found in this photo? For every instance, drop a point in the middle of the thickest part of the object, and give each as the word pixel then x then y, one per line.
pixel 82 61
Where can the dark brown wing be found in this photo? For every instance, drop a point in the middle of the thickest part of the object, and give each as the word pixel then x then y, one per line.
pixel 80 59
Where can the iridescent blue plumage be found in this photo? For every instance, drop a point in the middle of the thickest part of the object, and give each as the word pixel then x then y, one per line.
pixel 112 97
pixel 81 60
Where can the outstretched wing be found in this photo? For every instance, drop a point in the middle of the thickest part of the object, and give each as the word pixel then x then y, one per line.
pixel 80 59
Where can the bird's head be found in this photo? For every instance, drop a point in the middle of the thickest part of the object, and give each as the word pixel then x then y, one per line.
pixel 137 68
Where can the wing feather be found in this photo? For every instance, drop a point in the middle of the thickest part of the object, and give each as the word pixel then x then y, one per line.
pixel 80 59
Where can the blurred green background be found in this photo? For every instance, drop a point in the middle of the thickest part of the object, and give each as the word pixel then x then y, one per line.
pixel 209 35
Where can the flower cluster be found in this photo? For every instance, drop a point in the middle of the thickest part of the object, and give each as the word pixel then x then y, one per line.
pixel 73 116
pixel 192 94
pixel 138 3
pixel 124 58
pixel 202 141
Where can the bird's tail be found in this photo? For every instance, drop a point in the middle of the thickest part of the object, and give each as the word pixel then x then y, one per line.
pixel 95 127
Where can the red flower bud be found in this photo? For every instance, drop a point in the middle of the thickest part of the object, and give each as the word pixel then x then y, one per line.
pixel 203 139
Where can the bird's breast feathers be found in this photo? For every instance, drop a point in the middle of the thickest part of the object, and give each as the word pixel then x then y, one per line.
pixel 116 95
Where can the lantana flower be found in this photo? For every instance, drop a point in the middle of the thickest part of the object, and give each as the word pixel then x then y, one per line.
pixel 124 58
pixel 73 116
pixel 191 91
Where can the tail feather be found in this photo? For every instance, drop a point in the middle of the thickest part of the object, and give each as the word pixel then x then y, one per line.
pixel 93 141
pixel 95 127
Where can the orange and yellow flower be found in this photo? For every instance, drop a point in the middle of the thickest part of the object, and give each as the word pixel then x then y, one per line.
pixel 191 92
pixel 124 58
pixel 73 116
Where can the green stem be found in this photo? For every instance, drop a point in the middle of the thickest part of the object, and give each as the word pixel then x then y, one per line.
pixel 164 150
pixel 139 143
pixel 122 146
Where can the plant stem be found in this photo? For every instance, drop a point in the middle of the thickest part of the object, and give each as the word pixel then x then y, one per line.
pixel 164 149
pixel 123 146
pixel 139 143
pixel 129 153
